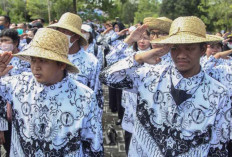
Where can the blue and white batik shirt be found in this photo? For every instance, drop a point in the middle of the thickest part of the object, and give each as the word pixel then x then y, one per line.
pixel 57 120
pixel 175 116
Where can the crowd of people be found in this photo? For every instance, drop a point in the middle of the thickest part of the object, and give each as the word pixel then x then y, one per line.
pixel 169 81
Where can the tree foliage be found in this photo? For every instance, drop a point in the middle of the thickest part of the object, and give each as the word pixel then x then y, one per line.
pixel 215 13
pixel 146 8
pixel 175 8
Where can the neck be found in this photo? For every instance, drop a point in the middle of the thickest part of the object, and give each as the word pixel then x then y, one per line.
pixel 85 47
pixel 190 73
pixel 74 49
pixel 15 50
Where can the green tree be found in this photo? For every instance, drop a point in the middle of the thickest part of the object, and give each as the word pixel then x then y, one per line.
pixel 175 8
pixel 217 14
pixel 18 12
pixel 128 12
pixel 37 9
pixel 146 8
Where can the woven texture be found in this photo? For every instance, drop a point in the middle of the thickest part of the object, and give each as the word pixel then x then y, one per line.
pixel 187 30
pixel 49 44
pixel 71 22
pixel 161 23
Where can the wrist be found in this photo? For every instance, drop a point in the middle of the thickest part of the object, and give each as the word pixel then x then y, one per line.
pixel 138 58
pixel 128 41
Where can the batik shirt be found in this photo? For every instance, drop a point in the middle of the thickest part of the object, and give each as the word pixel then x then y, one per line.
pixel 100 54
pixel 89 71
pixel 129 99
pixel 175 116
pixel 220 70
pixel 98 85
pixel 19 66
pixel 57 120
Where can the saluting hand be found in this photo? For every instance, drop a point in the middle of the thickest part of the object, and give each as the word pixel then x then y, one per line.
pixel 136 35
pixel 5 59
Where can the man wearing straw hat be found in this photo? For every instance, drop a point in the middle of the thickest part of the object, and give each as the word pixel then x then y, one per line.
pixel 87 63
pixel 156 28
pixel 52 114
pixel 181 111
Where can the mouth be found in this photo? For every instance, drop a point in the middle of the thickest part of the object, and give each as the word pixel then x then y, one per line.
pixel 182 62
pixel 37 75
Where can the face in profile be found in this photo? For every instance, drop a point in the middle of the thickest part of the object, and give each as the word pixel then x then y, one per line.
pixel 47 72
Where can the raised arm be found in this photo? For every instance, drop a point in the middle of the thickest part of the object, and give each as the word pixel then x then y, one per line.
pixel 123 74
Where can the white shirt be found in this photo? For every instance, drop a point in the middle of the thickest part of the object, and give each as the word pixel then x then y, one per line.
pixel 57 120
pixel 89 70
pixel 165 124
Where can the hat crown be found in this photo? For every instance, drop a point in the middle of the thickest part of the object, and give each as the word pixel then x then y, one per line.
pixel 161 23
pixel 188 25
pixel 71 19
pixel 52 40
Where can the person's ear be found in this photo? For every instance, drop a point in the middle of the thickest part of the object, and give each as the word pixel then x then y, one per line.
pixel 203 49
pixel 62 65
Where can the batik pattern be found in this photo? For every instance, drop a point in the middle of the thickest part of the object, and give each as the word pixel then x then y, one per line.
pixel 89 70
pixel 164 125
pixel 57 120
pixel 19 66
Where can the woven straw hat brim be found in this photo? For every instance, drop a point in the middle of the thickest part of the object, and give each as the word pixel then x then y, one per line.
pixel 46 54
pixel 185 38
pixel 83 41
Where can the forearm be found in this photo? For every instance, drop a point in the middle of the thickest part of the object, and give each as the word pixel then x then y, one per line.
pixel 121 74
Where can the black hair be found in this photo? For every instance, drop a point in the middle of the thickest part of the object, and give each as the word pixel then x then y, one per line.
pixel 90 38
pixel 121 27
pixel 203 46
pixel 7 18
pixel 11 33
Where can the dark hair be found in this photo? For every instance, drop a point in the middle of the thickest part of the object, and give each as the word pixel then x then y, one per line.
pixel 90 38
pixel 120 25
pixel 37 25
pixel 203 46
pixel 7 18
pixel 135 45
pixel 11 33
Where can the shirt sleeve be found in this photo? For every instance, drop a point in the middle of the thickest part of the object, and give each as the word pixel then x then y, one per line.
pixel 122 75
pixel 5 91
pixel 116 53
pixel 92 131
pixel 221 131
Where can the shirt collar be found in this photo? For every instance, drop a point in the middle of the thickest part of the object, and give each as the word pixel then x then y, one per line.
pixel 55 87
pixel 182 83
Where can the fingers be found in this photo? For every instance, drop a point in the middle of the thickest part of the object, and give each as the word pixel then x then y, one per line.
pixel 6 70
pixel 5 57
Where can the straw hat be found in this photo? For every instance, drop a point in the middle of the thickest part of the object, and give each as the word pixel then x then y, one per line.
pixel 49 44
pixel 161 23
pixel 71 22
pixel 187 30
